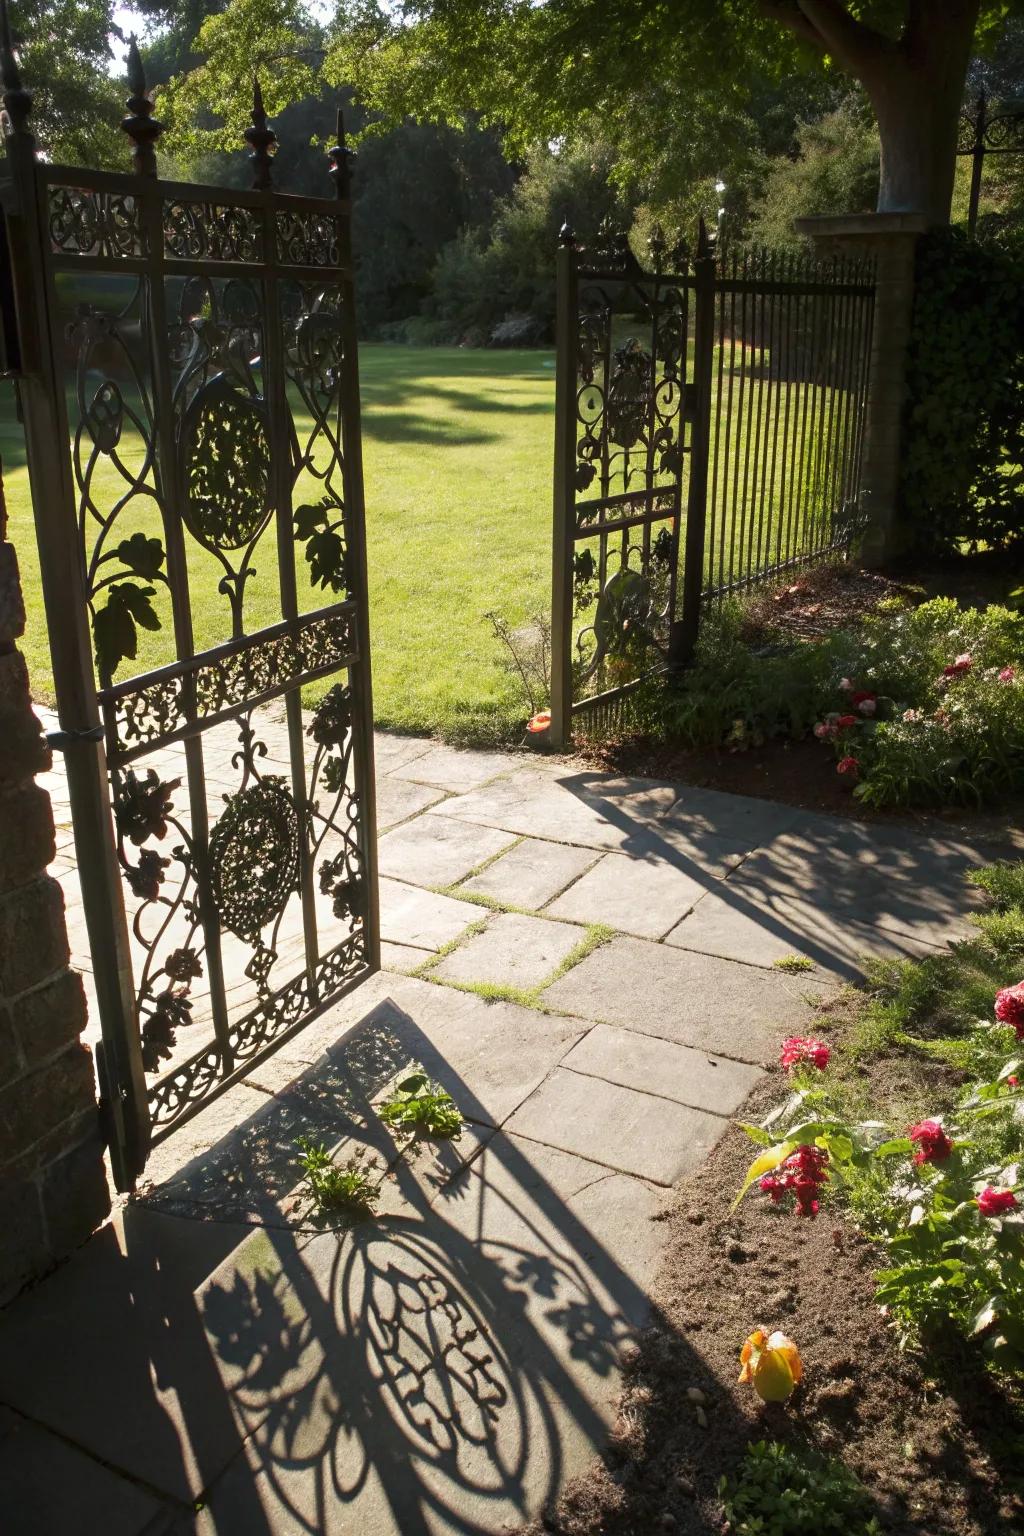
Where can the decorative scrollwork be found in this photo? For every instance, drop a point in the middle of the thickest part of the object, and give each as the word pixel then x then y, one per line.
pixel 308 239
pixel 1004 131
pixel 83 222
pixel 212 231
pixel 208 687
pixel 226 453
pixel 254 857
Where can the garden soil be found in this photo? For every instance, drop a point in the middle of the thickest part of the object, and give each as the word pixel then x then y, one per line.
pixel 936 1441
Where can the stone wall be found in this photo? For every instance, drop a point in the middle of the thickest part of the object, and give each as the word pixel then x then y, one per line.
pixel 53 1190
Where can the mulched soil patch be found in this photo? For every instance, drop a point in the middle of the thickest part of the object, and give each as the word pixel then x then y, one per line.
pixel 935 1440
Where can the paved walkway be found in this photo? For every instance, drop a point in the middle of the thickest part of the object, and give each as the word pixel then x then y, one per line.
pixel 587 964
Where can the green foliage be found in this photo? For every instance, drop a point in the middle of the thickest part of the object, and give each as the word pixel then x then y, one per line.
pixel 63 49
pixel 834 170
pixel 962 463
pixel 781 1490
pixel 332 1189
pixel 793 965
pixel 502 289
pixel 419 1106
pixel 932 739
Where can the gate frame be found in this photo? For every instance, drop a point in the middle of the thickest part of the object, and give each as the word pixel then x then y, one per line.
pixel 31 346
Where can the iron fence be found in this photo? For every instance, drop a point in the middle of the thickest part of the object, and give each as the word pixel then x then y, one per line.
pixel 710 416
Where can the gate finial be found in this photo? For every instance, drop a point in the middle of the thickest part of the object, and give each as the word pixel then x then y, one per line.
pixel 261 138
pixel 341 158
pixel 17 101
pixel 566 235
pixel 140 125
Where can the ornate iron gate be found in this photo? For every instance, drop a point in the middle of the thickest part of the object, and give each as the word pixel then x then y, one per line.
pixel 709 414
pixel 187 371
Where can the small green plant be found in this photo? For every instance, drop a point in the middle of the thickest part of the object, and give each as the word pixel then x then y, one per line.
pixel 793 965
pixel 332 1188
pixel 782 1491
pixel 417 1105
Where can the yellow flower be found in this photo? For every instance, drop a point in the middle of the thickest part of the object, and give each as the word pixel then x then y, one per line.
pixel 771 1364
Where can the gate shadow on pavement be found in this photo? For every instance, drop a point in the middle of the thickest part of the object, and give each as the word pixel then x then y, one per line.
pixel 442 1368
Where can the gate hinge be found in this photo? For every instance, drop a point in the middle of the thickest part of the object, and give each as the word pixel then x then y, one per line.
pixel 61 740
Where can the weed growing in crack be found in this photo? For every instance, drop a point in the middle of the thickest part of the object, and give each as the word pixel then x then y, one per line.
pixel 793 965
pixel 419 1106
pixel 332 1188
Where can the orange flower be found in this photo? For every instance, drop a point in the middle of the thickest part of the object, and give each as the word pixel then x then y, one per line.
pixel 772 1365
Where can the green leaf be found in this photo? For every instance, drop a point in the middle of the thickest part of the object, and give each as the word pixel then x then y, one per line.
pixel 899 1146
pixel 414 1082
pixel 986 1315
pixel 142 555
pixel 755 1133
pixel 766 1163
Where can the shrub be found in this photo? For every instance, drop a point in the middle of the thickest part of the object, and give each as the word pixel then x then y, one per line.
pixel 782 1491
pixel 962 467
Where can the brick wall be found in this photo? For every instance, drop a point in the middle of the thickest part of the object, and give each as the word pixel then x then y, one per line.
pixel 53 1190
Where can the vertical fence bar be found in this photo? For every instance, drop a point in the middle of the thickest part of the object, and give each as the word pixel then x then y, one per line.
pixel 684 635
pixel 719 470
pixel 564 522
pixel 977 164
pixel 41 395
pixel 355 499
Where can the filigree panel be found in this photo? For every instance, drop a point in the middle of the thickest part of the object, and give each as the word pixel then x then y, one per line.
pixel 307 239
pixel 212 231
pixel 209 687
pixel 83 222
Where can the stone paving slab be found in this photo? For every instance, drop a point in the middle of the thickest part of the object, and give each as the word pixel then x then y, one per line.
pixel 438 850
pixel 646 897
pixel 454 769
pixel 717 1005
pixel 402 957
pixel 531 873
pixel 636 1133
pixel 512 951
pixel 650 1065
pixel 52 1489
pixel 398 799
pixel 424 919
pixel 746 924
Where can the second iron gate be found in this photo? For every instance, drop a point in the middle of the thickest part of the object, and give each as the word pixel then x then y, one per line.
pixel 709 418
pixel 185 358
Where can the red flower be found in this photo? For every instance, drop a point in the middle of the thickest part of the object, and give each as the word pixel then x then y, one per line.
pixel 848 765
pixel 801 1175
pixel 996 1202
pixel 933 1143
pixel 1010 1008
pixel 1007 675
pixel 845 721
pixel 862 696
pixel 962 664
pixel 796 1051
pixel 1012 1081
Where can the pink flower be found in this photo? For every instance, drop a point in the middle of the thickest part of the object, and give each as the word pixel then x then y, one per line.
pixel 845 685
pixel 1010 1008
pixel 962 664
pixel 1012 1081
pixel 824 731
pixel 996 1202
pixel 911 715
pixel 934 1146
pixel 802 1175
pixel 796 1050
pixel 862 697
pixel 868 706
pixel 847 765
pixel 845 721
pixel 1007 675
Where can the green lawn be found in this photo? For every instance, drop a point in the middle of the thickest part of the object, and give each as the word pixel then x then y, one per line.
pixel 457 455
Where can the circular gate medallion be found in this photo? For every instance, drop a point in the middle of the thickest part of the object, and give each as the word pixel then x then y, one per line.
pixel 226 466
pixel 254 857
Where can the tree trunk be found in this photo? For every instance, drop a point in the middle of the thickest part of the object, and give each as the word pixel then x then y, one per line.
pixel 915 85
pixel 917 93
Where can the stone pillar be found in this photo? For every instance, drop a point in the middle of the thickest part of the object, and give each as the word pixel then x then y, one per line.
pixel 53 1188
pixel 891 240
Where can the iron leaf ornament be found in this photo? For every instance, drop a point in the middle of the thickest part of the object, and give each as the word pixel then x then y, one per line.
pixel 321 527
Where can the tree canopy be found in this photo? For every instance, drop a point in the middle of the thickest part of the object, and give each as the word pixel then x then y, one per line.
pixel 63 47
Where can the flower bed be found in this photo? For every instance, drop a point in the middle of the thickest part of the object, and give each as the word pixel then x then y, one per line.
pixel 919 706
pixel 871 1273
